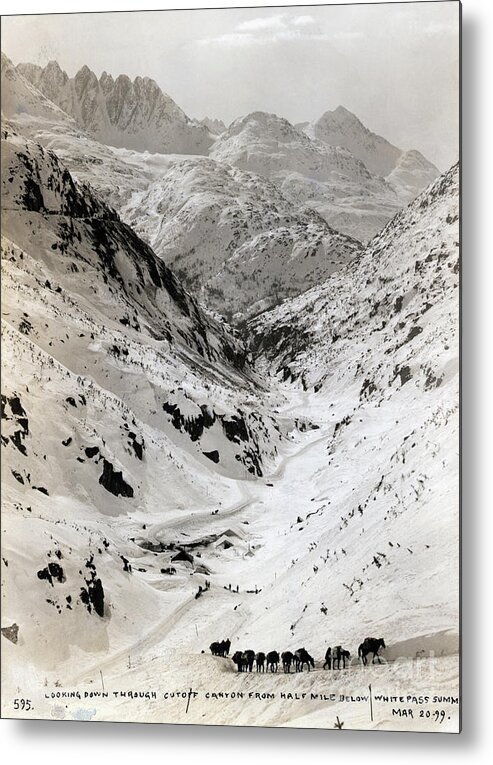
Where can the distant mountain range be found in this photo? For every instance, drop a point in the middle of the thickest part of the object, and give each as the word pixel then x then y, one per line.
pixel 266 212
pixel 121 112
pixel 355 179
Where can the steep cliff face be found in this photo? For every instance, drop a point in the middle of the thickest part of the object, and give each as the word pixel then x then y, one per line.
pixel 121 112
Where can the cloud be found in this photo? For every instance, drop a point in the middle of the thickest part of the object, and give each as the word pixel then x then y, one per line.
pixel 267 30
pixel 262 24
pixel 231 40
pixel 303 21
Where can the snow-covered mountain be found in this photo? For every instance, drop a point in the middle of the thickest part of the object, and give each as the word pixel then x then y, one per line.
pixel 20 97
pixel 343 128
pixel 335 165
pixel 407 171
pixel 269 145
pixel 214 126
pixel 328 178
pixel 134 115
pixel 233 238
pixel 146 404
pixel 412 173
pixel 381 339
pixel 167 483
pixel 116 378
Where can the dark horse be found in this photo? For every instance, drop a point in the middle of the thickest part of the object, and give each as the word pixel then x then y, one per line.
pixel 287 659
pixel 272 661
pixel 371 645
pixel 249 659
pixel 328 659
pixel 302 657
pixel 240 660
pixel 220 649
pixel 260 661
pixel 338 654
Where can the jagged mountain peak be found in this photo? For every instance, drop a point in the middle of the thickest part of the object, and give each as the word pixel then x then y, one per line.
pixel 84 73
pixel 343 128
pixel 120 112
pixel 106 82
pixel 343 113
pixel 215 126
pixel 53 66
pixel 21 97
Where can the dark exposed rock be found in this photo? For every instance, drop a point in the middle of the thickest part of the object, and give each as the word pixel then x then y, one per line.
pixel 398 303
pixel 42 490
pixel 414 332
pixel 235 429
pixel 404 373
pixel 137 447
pixel 194 426
pixel 16 407
pixel 367 388
pixel 127 566
pixel 93 596
pixel 53 571
pixel 16 440
pixel 113 482
pixel 214 455
pixel 91 451
pixel 11 633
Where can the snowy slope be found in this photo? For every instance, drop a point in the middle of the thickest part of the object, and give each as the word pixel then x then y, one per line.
pixel 412 173
pixel 332 543
pixel 134 115
pixel 136 426
pixel 123 403
pixel 233 238
pixel 378 345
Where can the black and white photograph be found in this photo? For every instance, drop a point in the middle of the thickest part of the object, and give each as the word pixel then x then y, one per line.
pixel 230 366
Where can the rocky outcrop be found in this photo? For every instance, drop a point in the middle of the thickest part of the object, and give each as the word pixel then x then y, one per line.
pixel 112 480
pixel 120 112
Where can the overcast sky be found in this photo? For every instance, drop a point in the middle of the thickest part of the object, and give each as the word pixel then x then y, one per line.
pixel 396 65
